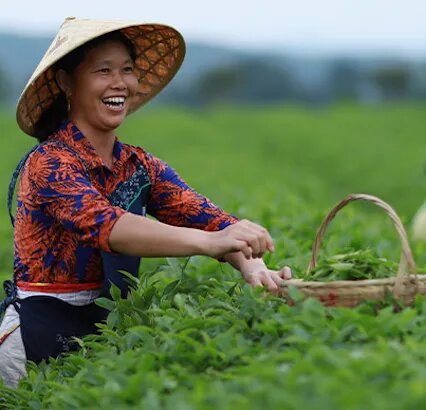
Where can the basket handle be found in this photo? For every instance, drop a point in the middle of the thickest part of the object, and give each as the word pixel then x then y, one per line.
pixel 406 266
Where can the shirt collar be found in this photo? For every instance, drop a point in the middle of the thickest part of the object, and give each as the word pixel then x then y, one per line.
pixel 69 134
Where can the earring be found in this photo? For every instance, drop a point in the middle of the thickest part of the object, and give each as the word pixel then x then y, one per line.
pixel 68 103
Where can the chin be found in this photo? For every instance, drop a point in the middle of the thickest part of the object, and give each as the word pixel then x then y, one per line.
pixel 113 123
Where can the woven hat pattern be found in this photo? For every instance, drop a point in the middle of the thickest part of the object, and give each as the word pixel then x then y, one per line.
pixel 159 51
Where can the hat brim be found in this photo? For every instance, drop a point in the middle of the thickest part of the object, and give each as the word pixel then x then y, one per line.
pixel 160 51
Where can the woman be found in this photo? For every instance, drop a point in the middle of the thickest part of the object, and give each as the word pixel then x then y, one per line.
pixel 83 194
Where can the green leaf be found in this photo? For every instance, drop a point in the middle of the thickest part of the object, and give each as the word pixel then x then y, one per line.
pixel 105 303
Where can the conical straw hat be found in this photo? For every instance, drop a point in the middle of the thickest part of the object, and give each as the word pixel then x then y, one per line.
pixel 159 54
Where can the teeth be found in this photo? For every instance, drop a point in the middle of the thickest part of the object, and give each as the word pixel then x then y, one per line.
pixel 116 100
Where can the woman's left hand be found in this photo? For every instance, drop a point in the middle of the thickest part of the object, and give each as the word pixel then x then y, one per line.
pixel 267 278
pixel 256 273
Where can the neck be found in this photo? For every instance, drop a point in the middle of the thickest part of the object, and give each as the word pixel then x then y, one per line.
pixel 103 147
pixel 102 141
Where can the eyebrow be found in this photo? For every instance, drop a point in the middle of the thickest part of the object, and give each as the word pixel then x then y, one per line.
pixel 129 60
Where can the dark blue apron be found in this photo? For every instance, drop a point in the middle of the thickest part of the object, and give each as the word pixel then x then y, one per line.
pixel 48 324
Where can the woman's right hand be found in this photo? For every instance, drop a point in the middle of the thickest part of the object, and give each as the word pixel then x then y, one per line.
pixel 244 236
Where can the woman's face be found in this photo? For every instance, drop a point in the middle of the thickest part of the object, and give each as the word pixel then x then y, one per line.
pixel 101 87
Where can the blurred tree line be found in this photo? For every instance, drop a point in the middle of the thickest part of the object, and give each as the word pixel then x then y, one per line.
pixel 262 82
pixel 257 81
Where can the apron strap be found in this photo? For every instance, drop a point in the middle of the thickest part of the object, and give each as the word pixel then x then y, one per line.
pixel 11 292
pixel 14 180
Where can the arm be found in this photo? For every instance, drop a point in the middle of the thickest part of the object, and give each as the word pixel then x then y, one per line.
pixel 236 244
pixel 140 236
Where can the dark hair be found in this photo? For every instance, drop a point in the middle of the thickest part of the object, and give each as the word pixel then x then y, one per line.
pixel 51 118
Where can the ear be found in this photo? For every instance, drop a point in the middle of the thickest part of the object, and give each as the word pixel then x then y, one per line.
pixel 63 79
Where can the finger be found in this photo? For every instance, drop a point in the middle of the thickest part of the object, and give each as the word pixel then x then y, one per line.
pixel 262 246
pixel 269 283
pixel 278 280
pixel 245 249
pixel 253 281
pixel 270 243
pixel 235 245
pixel 257 237
pixel 255 245
pixel 285 273
pixel 262 232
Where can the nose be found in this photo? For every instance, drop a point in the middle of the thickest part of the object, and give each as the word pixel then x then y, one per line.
pixel 117 81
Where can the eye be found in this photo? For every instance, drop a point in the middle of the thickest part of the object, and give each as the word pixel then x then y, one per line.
pixel 104 70
pixel 128 69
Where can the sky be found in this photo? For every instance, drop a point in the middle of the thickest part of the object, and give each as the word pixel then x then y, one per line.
pixel 326 26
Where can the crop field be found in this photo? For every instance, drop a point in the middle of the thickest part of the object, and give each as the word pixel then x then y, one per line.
pixel 193 335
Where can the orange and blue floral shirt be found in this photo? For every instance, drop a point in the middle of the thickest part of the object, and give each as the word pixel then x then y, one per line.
pixel 64 219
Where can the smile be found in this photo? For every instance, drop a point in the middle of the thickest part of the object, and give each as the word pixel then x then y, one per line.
pixel 114 103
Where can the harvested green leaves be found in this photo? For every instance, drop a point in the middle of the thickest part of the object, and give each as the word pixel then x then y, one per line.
pixel 354 265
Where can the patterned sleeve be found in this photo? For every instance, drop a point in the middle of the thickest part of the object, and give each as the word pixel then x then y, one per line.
pixel 173 202
pixel 63 191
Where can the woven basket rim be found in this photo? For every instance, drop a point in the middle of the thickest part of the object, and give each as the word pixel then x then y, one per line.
pixel 300 283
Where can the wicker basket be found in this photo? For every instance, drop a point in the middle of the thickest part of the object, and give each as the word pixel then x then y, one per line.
pixel 404 286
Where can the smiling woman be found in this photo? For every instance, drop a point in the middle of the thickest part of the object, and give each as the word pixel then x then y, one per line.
pixel 83 194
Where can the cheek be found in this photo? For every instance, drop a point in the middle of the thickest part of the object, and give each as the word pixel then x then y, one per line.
pixel 87 90
pixel 132 83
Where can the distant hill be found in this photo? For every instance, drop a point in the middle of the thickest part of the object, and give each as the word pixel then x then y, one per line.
pixel 19 56
pixel 218 73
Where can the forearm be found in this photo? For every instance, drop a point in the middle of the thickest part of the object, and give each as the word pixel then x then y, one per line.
pixel 140 236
